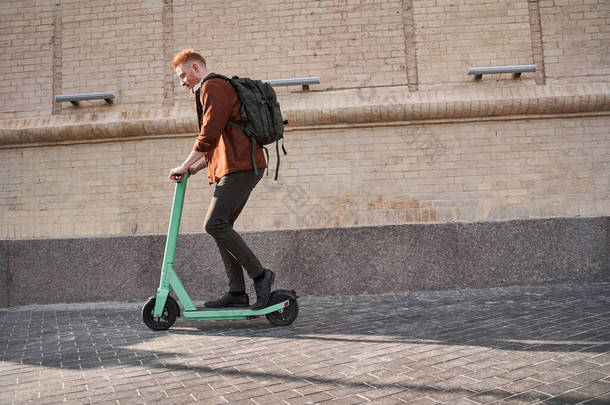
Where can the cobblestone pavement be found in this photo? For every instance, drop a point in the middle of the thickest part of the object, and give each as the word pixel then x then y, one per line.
pixel 518 345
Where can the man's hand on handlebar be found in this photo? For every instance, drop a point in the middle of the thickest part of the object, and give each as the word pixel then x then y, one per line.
pixel 176 174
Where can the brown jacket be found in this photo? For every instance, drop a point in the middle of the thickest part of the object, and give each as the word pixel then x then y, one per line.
pixel 227 149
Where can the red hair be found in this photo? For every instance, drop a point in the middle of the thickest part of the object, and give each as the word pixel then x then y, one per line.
pixel 187 55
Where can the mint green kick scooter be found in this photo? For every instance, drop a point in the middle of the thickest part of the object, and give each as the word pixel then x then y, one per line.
pixel 160 312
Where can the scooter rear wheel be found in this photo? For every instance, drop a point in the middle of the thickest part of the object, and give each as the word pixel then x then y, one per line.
pixel 285 316
pixel 167 318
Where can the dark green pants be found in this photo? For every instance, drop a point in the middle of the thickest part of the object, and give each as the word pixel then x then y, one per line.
pixel 230 197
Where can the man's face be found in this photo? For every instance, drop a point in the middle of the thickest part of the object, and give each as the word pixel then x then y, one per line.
pixel 189 74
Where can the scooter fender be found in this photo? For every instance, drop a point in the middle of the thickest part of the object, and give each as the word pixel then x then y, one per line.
pixel 278 296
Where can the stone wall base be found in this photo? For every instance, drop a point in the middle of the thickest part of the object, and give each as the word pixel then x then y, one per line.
pixel 333 261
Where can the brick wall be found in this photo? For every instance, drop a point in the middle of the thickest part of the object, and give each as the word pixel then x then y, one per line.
pixel 26 45
pixel 478 171
pixel 576 37
pixel 111 45
pixel 350 43
pixel 452 35
pixel 123 46
pixel 440 169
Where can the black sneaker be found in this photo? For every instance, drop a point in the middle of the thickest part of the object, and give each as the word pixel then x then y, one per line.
pixel 263 290
pixel 229 301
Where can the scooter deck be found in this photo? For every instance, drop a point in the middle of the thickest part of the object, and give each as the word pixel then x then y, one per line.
pixel 233 313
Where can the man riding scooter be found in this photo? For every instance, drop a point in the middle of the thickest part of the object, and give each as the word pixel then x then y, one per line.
pixel 227 153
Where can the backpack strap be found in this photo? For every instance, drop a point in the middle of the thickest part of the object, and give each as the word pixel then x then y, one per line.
pixel 242 129
pixel 215 76
pixel 267 153
pixel 254 156
pixel 277 153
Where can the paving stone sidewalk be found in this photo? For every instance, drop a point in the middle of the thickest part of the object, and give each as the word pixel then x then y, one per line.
pixel 518 345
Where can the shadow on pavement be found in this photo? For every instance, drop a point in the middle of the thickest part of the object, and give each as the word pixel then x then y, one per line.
pixel 411 329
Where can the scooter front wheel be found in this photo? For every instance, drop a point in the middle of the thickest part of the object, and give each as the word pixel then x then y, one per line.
pixel 284 316
pixel 167 318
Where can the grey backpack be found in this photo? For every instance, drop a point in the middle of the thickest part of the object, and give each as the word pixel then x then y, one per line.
pixel 261 114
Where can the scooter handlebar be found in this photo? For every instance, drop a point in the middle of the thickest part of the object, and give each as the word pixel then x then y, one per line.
pixel 180 177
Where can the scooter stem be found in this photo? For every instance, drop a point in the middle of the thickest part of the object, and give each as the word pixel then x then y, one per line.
pixel 168 276
pixel 174 222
